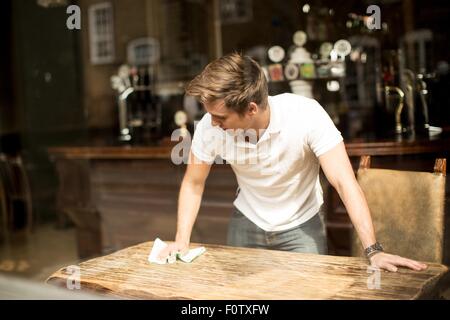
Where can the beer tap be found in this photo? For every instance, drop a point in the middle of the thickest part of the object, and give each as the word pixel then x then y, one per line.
pixel 408 80
pixel 123 114
pixel 399 108
pixel 423 93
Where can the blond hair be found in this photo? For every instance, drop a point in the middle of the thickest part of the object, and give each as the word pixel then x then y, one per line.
pixel 235 78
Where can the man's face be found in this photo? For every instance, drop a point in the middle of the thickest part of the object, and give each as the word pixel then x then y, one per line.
pixel 228 119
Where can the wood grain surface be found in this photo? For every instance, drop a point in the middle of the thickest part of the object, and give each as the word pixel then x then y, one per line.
pixel 242 273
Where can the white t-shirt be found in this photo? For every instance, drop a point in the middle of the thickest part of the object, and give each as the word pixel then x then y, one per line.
pixel 278 175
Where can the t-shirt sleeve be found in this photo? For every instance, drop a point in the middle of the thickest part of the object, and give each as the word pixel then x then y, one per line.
pixel 203 142
pixel 322 134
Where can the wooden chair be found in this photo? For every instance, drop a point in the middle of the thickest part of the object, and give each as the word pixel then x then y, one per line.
pixel 407 209
pixel 16 195
pixel 3 213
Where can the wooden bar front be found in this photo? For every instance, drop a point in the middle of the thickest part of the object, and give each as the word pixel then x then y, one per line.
pixel 120 196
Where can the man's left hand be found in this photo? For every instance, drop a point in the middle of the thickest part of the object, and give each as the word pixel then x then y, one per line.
pixel 390 262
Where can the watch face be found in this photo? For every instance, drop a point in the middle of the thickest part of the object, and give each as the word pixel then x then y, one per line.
pixel 299 38
pixel 276 54
pixel 291 71
pixel 343 47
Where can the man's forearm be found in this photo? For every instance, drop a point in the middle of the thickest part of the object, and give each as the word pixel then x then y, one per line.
pixel 356 205
pixel 188 206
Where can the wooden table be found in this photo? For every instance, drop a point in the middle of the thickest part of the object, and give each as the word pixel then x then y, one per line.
pixel 240 273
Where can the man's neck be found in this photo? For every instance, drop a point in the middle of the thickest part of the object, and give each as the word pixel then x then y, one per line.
pixel 263 123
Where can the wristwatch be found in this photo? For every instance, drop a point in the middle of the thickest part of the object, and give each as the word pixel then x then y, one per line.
pixel 371 250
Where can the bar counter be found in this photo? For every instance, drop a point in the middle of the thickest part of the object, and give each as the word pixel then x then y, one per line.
pixel 119 196
pixel 355 147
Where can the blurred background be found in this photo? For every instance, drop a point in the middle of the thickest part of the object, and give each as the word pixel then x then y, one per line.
pixel 89 91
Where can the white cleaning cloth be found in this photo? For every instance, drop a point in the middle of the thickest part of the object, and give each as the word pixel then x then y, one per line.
pixel 160 245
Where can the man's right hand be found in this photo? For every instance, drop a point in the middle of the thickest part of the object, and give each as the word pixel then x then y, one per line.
pixel 189 200
pixel 174 248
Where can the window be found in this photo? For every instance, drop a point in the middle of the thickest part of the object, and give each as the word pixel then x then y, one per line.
pixel 235 11
pixel 101 33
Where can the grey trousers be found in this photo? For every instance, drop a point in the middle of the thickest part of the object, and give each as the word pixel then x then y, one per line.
pixel 309 237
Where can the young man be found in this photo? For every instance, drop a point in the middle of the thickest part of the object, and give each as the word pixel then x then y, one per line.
pixel 275 146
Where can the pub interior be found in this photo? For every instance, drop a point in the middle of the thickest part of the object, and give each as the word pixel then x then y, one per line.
pixel 93 105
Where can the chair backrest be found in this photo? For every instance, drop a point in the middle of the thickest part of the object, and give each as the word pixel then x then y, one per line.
pixel 3 208
pixel 16 193
pixel 407 210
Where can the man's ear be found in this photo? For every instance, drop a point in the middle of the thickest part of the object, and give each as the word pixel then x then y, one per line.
pixel 253 108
